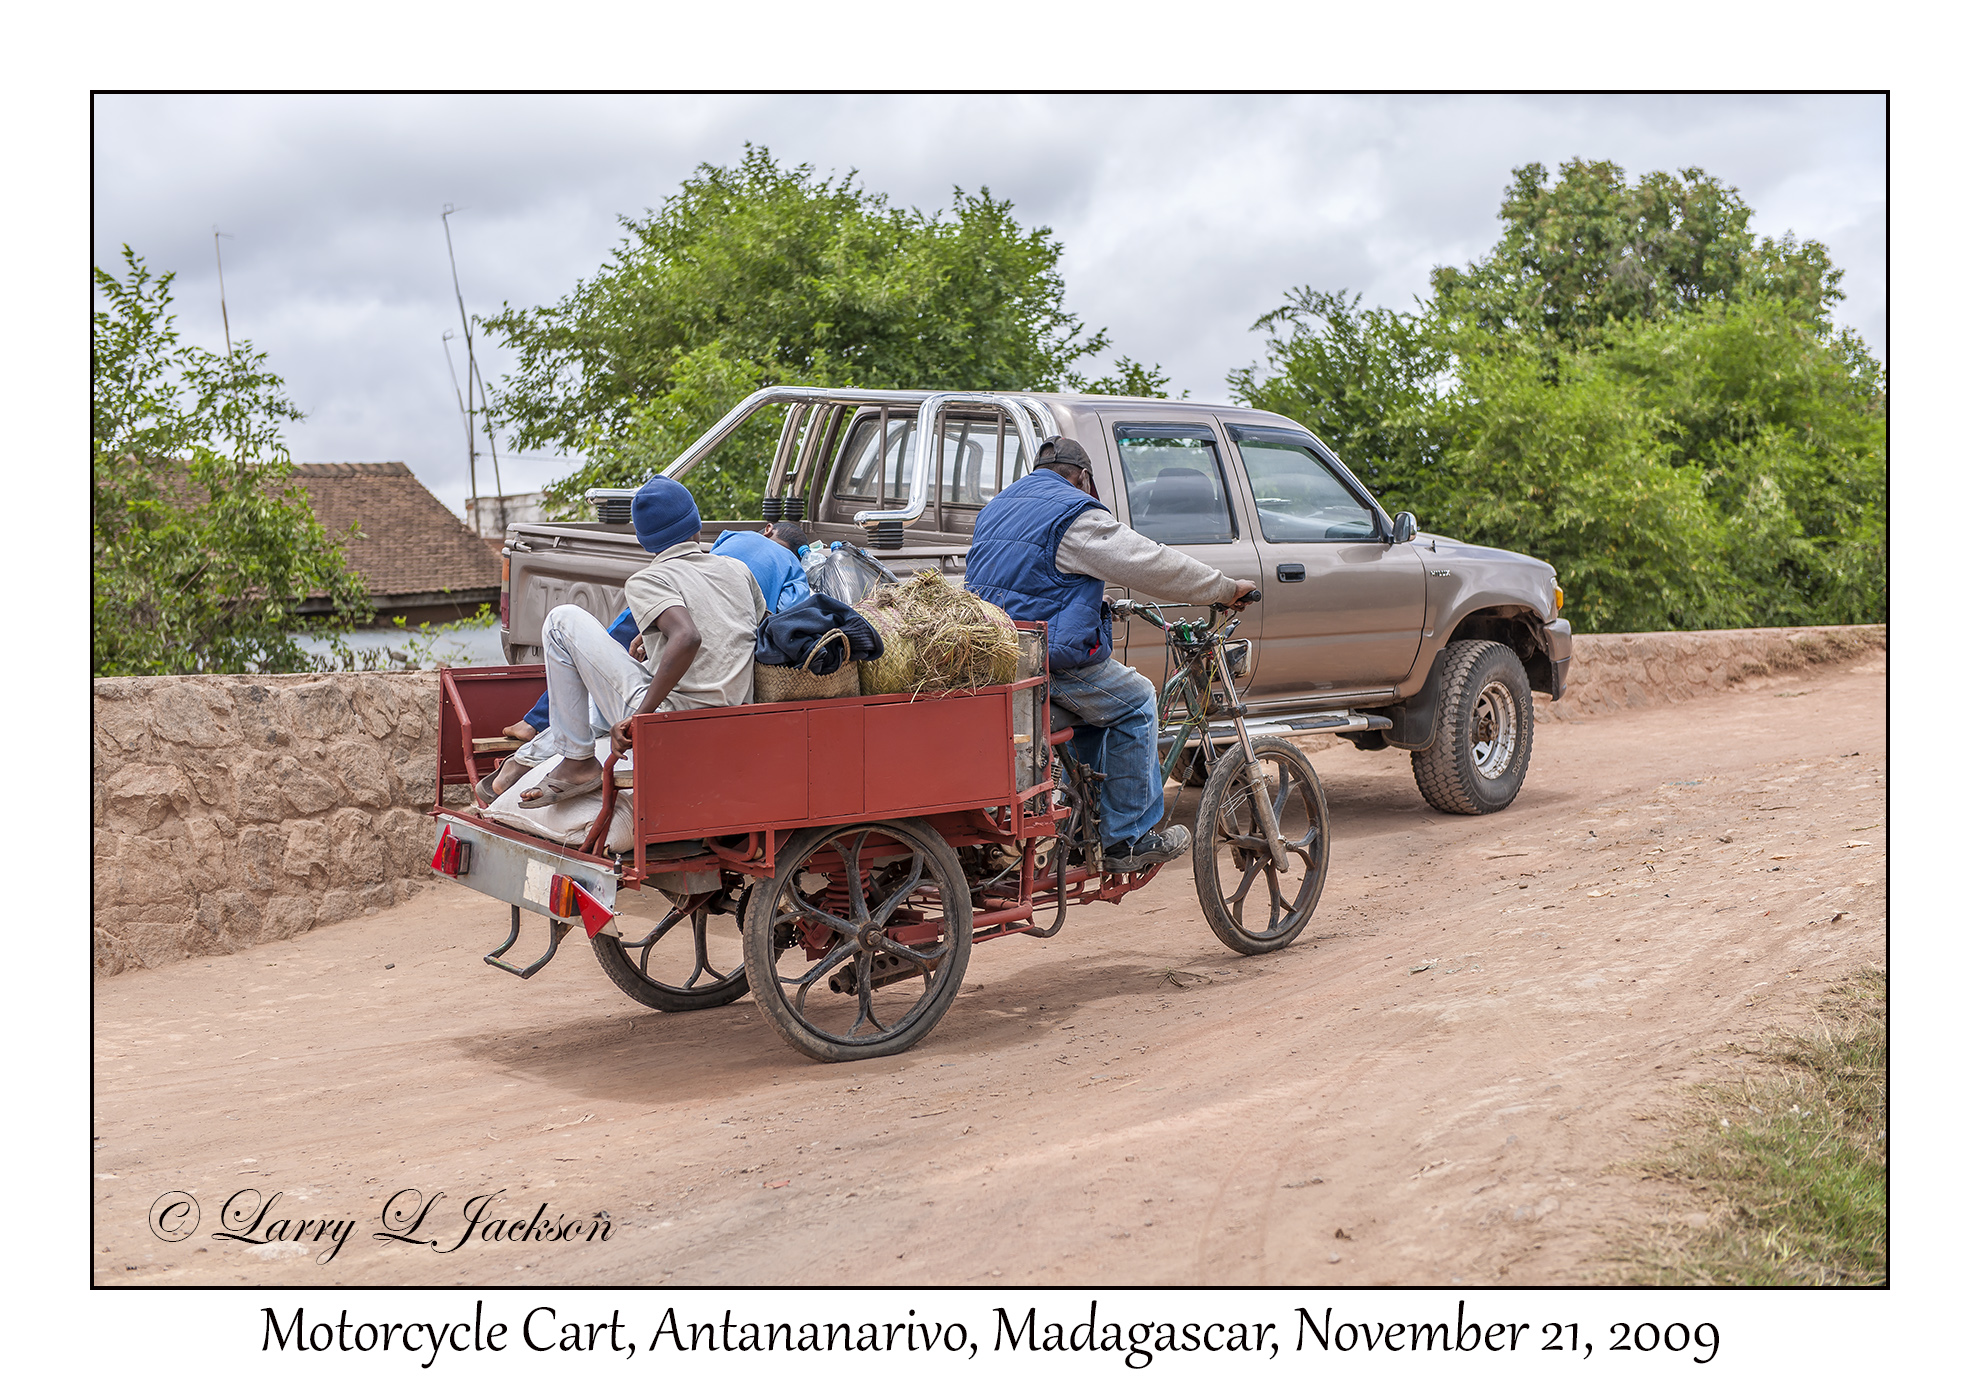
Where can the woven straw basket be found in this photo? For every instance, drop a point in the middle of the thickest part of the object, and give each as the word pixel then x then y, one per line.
pixel 778 683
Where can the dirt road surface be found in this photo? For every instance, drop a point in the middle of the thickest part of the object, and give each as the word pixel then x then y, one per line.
pixel 1444 1081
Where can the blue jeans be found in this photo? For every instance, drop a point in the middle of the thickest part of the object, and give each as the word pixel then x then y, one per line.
pixel 1117 704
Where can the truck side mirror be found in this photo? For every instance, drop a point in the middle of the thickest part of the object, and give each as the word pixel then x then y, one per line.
pixel 1404 528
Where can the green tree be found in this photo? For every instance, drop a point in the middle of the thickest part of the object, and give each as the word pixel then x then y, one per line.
pixel 1129 380
pixel 1629 386
pixel 202 547
pixel 758 274
pixel 1786 423
pixel 1591 249
pixel 1361 381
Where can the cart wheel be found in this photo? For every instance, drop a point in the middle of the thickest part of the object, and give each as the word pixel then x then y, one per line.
pixel 1252 906
pixel 862 971
pixel 698 956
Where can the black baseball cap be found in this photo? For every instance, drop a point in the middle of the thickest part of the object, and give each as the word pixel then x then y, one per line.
pixel 1063 450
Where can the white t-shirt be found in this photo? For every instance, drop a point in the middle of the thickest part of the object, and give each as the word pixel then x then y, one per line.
pixel 721 596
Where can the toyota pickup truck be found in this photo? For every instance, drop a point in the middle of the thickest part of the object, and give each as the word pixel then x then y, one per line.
pixel 1391 637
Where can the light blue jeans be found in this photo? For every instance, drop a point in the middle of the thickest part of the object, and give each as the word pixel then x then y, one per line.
pixel 594 683
pixel 1117 704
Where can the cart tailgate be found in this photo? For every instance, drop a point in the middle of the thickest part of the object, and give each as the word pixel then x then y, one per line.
pixel 518 873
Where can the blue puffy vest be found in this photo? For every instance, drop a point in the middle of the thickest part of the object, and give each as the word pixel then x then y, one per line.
pixel 1013 556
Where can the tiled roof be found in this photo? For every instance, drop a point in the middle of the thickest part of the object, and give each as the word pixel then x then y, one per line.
pixel 412 543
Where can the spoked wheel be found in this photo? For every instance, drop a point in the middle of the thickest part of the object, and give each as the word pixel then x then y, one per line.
pixel 1252 906
pixel 858 944
pixel 689 960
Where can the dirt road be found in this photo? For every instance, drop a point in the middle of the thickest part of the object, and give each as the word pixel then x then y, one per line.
pixel 1442 1081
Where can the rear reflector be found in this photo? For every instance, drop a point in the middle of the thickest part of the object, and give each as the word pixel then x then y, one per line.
pixel 570 901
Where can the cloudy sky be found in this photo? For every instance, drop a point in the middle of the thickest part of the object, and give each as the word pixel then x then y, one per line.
pixel 1183 217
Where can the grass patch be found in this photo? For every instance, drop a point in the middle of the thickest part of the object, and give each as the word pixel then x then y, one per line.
pixel 1788 1166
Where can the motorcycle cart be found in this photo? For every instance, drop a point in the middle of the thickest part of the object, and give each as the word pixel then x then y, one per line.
pixel 841 858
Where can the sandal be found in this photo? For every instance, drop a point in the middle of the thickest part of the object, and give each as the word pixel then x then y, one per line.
pixel 549 791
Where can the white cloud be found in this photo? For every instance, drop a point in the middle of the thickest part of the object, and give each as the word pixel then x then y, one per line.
pixel 1183 217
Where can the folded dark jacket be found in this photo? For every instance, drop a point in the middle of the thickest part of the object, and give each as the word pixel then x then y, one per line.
pixel 786 639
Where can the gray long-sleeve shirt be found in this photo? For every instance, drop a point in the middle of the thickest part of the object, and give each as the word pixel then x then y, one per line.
pixel 1099 544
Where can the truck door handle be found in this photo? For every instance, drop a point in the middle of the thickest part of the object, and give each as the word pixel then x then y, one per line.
pixel 1291 574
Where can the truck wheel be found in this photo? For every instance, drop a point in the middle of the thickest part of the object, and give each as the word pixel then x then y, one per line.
pixel 858 943
pixel 700 965
pixel 1476 762
pixel 1252 906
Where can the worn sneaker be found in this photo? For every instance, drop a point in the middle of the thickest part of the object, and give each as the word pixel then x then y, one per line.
pixel 1149 850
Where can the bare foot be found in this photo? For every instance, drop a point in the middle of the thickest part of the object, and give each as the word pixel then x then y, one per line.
pixel 521 732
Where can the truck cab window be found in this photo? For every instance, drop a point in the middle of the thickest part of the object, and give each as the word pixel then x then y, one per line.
pixel 978 460
pixel 1299 496
pixel 866 472
pixel 1175 487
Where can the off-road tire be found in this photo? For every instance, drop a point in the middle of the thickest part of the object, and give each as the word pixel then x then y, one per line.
pixel 1477 758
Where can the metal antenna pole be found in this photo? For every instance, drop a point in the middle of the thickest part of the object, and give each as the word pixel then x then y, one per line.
pixel 474 492
pixel 227 330
pixel 488 426
pixel 459 402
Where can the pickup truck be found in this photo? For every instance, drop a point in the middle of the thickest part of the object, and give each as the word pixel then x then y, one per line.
pixel 1369 628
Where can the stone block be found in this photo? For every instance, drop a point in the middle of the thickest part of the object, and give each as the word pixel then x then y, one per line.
pixel 357 854
pixel 257 788
pixel 320 709
pixel 185 710
pixel 142 794
pixel 258 850
pixel 414 775
pixel 377 708
pixel 153 945
pixel 306 847
pixel 364 770
pixel 408 839
pixel 112 953
pixel 338 904
pixel 262 716
pixel 287 916
pixel 306 792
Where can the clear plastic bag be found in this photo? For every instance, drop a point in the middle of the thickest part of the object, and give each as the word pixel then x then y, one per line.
pixel 847 574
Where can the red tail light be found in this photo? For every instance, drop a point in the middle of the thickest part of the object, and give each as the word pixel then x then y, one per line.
pixel 451 855
pixel 505 589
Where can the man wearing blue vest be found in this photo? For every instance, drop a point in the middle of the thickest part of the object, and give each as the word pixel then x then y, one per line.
pixel 1043 551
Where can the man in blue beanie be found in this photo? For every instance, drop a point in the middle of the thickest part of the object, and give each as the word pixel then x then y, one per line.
pixel 697 615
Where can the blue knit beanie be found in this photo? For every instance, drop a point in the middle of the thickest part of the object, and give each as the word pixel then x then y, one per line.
pixel 663 513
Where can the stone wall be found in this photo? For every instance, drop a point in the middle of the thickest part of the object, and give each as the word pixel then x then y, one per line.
pixel 234 810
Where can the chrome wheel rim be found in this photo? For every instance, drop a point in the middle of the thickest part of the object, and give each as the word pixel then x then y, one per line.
pixel 1494 731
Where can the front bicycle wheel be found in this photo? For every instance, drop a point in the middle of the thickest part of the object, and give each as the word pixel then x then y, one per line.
pixel 1252 906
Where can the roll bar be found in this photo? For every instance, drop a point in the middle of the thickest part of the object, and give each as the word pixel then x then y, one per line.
pixel 1028 416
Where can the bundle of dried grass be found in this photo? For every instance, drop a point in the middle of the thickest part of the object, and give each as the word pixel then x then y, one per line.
pixel 937 637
